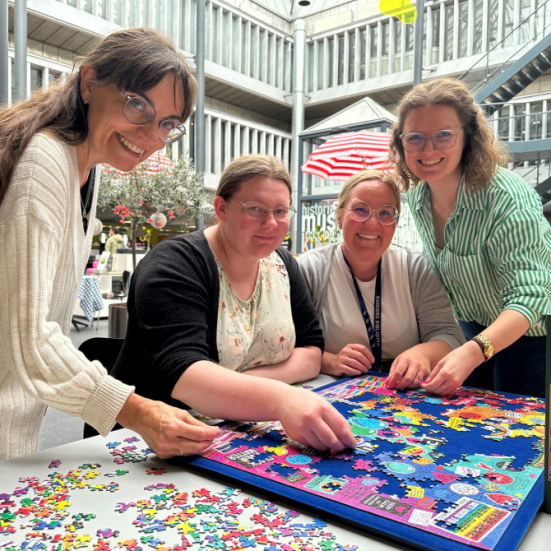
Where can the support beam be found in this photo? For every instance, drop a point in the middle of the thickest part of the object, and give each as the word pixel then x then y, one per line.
pixel 418 43
pixel 20 50
pixel 4 59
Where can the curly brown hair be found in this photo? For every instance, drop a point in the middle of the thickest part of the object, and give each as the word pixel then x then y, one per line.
pixel 483 153
pixel 134 60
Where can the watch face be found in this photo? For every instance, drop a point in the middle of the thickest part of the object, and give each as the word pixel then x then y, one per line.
pixel 490 350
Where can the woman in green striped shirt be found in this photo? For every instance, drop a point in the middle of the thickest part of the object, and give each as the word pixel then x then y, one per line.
pixel 484 230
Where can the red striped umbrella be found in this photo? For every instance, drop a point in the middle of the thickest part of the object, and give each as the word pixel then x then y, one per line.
pixel 344 155
pixel 155 163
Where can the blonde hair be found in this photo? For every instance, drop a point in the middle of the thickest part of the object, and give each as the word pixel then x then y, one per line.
pixel 249 166
pixel 482 155
pixel 365 176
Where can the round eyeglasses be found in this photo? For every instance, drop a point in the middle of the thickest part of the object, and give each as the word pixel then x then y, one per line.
pixel 257 211
pixel 387 214
pixel 414 142
pixel 139 111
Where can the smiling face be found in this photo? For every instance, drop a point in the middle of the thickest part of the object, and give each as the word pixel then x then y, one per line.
pixel 250 238
pixel 114 140
pixel 367 241
pixel 435 166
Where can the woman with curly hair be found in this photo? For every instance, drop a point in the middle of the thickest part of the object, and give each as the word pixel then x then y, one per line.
pixel 484 230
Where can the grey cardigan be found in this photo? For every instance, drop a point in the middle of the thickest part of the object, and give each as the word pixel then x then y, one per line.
pixel 430 301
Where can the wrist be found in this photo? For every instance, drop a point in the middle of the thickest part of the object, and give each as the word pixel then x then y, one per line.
pixel 475 351
pixel 131 410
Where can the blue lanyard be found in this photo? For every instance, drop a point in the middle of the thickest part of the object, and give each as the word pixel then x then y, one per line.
pixel 374 334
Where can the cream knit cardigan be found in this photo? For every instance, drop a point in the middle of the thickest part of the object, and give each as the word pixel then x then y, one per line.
pixel 43 253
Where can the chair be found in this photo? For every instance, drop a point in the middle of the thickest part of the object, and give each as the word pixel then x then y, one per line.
pixel 106 351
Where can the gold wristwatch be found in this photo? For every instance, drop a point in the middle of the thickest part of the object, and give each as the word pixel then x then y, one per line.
pixel 486 345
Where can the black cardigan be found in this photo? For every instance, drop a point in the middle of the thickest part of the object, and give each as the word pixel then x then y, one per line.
pixel 173 315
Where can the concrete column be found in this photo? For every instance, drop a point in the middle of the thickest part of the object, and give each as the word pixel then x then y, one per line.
pixel 357 60
pixel 5 61
pixel 256 52
pixel 316 63
pixel 219 43
pixel 245 144
pixel 264 54
pixel 418 43
pixel 288 66
pixel 272 68
pixel 239 45
pixel 208 142
pixel 281 63
pixel 248 45
pixel 325 63
pixel 20 58
pixel 228 18
pixel 45 78
pixel 335 54
pixel 278 147
pixel 299 36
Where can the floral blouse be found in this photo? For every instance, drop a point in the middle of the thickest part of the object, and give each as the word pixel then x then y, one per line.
pixel 258 331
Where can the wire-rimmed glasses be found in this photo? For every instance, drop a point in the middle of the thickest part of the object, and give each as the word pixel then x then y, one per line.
pixel 137 110
pixel 414 142
pixel 257 210
pixel 387 214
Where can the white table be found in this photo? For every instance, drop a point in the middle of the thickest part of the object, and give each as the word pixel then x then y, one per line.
pixel 132 485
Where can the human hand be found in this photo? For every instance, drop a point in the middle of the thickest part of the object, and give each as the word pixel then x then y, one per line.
pixel 453 369
pixel 313 421
pixel 408 370
pixel 168 431
pixel 353 359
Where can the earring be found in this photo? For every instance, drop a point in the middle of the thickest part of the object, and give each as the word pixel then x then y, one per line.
pixel 85 101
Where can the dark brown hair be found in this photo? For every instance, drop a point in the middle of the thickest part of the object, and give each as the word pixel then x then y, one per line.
pixel 483 153
pixel 248 167
pixel 134 60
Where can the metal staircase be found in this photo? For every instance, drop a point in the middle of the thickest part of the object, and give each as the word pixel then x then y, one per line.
pixel 514 63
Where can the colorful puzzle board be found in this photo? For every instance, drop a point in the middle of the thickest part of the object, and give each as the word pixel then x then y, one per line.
pixel 82 506
pixel 442 473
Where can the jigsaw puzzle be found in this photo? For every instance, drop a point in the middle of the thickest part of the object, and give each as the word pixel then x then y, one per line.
pixel 437 471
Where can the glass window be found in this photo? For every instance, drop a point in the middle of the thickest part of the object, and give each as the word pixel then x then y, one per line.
pixel 520 121
pixel 448 43
pixel 158 13
pixel 270 48
pixel 363 36
pixel 214 35
pixel 244 47
pixel 54 78
pixel 410 36
pixel 72 3
pixel 508 23
pixel 463 28
pixel 193 17
pixel 102 8
pixel 87 5
pixel 435 49
pixel 397 47
pixel 212 143
pixel 223 159
pixel 341 59
pixel 232 143
pixel 226 20
pixel 503 123
pixel 191 130
pixel 321 57
pixel 351 55
pixel 36 79
pixel 373 53
pixel 536 120
pixel 384 48
pixel 117 12
pixel 235 43
pixel 310 65
pixel 526 30
pixel 493 15
pixel 277 50
pixel 261 54
pixel 477 35
pixel 330 53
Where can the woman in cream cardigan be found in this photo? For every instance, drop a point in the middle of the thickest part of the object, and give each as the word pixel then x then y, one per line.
pixel 130 95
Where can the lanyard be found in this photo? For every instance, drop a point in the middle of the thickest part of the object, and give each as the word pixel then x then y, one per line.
pixel 374 334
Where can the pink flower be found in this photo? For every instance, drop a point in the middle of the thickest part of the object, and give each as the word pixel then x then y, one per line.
pixel 150 220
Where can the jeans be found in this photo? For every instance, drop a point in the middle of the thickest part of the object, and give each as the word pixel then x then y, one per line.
pixel 519 368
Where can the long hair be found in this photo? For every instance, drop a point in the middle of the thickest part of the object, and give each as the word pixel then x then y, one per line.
pixel 134 60
pixel 483 153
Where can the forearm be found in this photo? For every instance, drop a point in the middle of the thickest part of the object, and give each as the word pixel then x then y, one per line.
pixel 302 365
pixel 509 326
pixel 433 350
pixel 221 393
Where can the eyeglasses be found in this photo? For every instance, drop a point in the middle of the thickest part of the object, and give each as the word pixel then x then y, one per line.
pixel 257 211
pixel 387 214
pixel 139 111
pixel 414 142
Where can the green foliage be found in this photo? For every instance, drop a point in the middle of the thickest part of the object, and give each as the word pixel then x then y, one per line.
pixel 152 187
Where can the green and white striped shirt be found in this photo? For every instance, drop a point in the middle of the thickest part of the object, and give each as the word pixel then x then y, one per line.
pixel 498 250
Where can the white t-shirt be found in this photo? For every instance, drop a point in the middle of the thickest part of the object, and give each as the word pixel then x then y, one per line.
pixel 342 321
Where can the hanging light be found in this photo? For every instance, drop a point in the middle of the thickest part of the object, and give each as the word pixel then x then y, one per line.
pixel 304 2
pixel 158 220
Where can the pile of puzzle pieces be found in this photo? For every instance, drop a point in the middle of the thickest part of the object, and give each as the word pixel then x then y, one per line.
pixel 36 517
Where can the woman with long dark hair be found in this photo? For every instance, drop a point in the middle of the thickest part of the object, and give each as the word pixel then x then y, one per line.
pixel 131 95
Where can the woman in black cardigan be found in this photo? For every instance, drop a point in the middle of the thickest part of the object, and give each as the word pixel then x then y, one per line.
pixel 220 320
